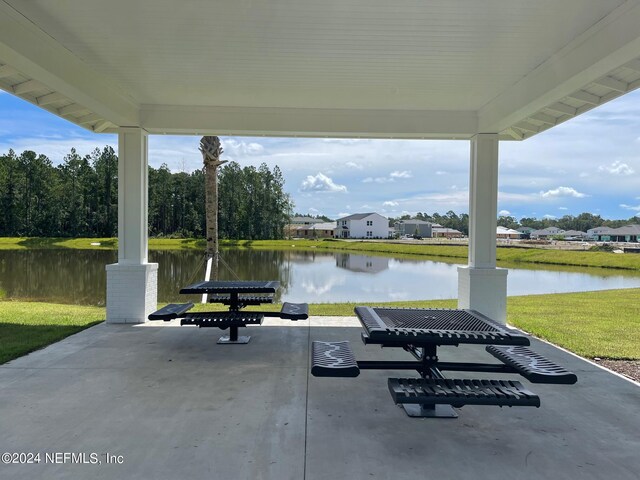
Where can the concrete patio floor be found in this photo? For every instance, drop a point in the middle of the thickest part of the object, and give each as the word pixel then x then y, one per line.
pixel 176 405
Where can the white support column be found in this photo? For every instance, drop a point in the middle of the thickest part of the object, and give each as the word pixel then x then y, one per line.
pixel 132 283
pixel 482 286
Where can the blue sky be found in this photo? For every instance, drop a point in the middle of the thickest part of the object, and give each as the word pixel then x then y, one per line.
pixel 591 163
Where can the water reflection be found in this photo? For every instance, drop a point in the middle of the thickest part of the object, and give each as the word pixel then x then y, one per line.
pixel 78 276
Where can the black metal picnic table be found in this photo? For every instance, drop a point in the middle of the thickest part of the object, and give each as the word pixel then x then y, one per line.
pixel 420 332
pixel 236 295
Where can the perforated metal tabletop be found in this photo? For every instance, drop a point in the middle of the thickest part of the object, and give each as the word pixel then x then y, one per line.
pixel 413 326
pixel 231 287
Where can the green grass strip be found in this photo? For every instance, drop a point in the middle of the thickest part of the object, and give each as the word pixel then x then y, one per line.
pixel 29 326
pixel 603 324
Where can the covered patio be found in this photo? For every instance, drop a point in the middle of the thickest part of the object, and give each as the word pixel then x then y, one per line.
pixel 173 403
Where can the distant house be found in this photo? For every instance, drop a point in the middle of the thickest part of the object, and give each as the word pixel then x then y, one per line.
pixel 525 232
pixel 574 235
pixel 504 232
pixel 546 232
pixel 305 220
pixel 628 233
pixel 363 225
pixel 316 230
pixel 443 232
pixel 593 233
pixel 414 227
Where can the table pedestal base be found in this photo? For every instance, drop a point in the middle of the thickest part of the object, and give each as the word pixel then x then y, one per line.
pixel 432 411
pixel 226 339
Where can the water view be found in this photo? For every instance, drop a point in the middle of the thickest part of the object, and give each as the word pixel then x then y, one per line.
pixel 78 276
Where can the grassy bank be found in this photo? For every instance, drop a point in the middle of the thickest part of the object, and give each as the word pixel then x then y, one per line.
pixel 602 324
pixel 28 326
pixel 505 256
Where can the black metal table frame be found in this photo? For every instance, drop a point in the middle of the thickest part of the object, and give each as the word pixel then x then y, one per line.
pixel 235 301
pixel 428 364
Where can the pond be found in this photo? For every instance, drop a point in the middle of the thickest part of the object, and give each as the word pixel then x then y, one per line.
pixel 78 276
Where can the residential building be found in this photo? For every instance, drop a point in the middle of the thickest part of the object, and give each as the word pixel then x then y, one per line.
pixel 413 227
pixel 304 220
pixel 316 230
pixel 504 232
pixel 363 225
pixel 628 233
pixel 443 232
pixel 546 233
pixel 593 233
pixel 574 235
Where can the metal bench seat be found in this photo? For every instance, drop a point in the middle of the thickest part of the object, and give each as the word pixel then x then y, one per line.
pixel 532 366
pixel 171 311
pixel 460 392
pixel 333 359
pixel 242 299
pixel 222 319
pixel 291 311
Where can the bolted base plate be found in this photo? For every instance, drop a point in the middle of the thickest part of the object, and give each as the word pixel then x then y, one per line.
pixel 226 340
pixel 429 411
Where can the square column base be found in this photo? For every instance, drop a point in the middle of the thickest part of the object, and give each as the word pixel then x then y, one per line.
pixel 484 290
pixel 132 292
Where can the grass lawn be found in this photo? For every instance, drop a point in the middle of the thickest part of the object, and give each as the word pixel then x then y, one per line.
pixel 28 326
pixel 603 324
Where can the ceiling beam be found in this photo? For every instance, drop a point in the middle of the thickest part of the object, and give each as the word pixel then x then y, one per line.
pixel 35 54
pixel 585 97
pixel 50 98
pixel 613 84
pixel 101 126
pixel 544 118
pixel 609 44
pixel 308 122
pixel 633 65
pixel 26 87
pixel 88 119
pixel 71 109
pixel 562 108
pixel 7 71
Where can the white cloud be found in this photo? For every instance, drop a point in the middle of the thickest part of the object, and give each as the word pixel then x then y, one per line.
pixel 401 174
pixel 321 183
pixel 441 172
pixel 355 165
pixel 239 147
pixel 504 213
pixel 343 214
pixel 390 203
pixel 562 192
pixel 617 168
pixel 563 208
pixel 630 207
pixel 313 210
pixel 552 217
pixel 377 180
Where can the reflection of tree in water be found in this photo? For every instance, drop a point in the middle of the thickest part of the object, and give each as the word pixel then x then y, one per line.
pixel 180 268
pixel 61 276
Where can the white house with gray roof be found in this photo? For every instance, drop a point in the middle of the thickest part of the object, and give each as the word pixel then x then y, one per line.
pixel 363 225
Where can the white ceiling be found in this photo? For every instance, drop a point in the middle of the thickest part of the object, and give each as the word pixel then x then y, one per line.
pixel 252 63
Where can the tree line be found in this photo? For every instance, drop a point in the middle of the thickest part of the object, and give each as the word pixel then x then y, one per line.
pixel 79 198
pixel 582 222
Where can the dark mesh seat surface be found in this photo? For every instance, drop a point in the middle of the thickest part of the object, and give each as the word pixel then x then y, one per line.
pixel 223 319
pixel 231 287
pixel 532 366
pixel 459 392
pixel 333 359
